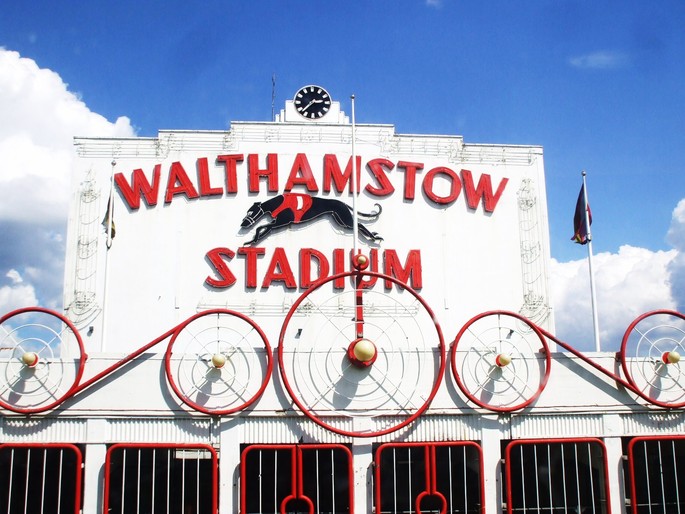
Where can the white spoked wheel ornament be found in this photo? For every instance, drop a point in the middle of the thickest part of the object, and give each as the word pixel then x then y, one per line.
pixel 218 362
pixel 363 361
pixel 41 360
pixel 500 361
pixel 652 353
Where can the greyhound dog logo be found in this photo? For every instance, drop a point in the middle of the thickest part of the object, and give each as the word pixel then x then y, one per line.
pixel 295 208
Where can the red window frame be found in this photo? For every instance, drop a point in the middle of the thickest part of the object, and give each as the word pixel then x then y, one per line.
pixel 665 477
pixel 70 485
pixel 547 493
pixel 213 473
pixel 295 493
pixel 436 482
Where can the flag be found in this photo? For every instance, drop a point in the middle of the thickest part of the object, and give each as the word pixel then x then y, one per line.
pixel 108 222
pixel 581 223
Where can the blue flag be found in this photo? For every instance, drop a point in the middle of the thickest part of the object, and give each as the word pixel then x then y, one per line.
pixel 581 229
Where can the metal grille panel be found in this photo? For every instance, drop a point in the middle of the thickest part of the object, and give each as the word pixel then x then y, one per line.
pixel 43 478
pixel 313 478
pixel 429 477
pixel 161 479
pixel 655 473
pixel 556 476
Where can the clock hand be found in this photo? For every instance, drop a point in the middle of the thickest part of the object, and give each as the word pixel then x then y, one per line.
pixel 312 102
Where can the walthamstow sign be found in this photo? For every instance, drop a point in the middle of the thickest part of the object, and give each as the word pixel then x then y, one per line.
pixel 265 173
pixel 263 176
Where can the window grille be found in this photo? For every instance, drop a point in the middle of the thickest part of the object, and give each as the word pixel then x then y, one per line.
pixel 556 476
pixel 296 478
pixel 429 478
pixel 656 475
pixel 42 478
pixel 161 479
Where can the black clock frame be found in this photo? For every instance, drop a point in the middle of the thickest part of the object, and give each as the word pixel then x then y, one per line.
pixel 312 102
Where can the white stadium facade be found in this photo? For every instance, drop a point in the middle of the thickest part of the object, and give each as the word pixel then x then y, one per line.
pixel 310 315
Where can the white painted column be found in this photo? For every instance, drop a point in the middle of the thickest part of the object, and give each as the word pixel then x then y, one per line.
pixel 616 486
pixel 492 463
pixel 94 465
pixel 362 460
pixel 94 477
pixel 230 435
pixel 613 428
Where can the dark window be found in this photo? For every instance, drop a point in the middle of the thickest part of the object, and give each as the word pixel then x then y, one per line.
pixel 156 479
pixel 556 476
pixel 40 478
pixel 656 474
pixel 296 478
pixel 430 477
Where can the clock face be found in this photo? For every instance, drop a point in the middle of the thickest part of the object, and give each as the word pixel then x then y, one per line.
pixel 312 102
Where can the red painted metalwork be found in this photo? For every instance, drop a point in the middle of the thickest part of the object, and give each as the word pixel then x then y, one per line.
pixel 201 408
pixel 630 384
pixel 296 474
pixel 631 469
pixel 665 364
pixel 627 384
pixel 77 480
pixel 581 440
pixel 306 410
pixel 430 472
pixel 163 446
pixel 80 361
pixel 76 388
pixel 497 360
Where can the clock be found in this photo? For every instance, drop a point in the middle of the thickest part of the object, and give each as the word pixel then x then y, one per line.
pixel 312 102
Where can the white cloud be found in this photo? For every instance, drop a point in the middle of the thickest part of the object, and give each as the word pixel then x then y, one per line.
pixel 676 268
pixel 40 117
pixel 14 276
pixel 676 232
pixel 17 294
pixel 601 60
pixel 628 284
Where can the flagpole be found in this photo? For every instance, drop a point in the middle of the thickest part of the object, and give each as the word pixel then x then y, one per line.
pixel 595 321
pixel 108 243
pixel 353 184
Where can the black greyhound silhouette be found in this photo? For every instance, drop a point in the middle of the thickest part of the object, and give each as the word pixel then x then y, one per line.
pixel 294 208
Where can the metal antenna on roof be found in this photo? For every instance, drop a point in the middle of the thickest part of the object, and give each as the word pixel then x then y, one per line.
pixel 273 97
pixel 353 185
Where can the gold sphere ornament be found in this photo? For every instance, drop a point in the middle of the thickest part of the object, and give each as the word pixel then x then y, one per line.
pixel 503 360
pixel 30 359
pixel 360 262
pixel 218 360
pixel 671 357
pixel 364 350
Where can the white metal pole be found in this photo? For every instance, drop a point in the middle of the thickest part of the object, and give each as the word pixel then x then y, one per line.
pixel 110 221
pixel 595 321
pixel 353 185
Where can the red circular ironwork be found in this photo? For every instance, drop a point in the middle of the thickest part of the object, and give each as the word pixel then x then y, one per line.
pixel 500 361
pixel 650 357
pixel 218 362
pixel 326 385
pixel 30 385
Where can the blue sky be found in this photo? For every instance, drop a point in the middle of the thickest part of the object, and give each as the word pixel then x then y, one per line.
pixel 597 84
